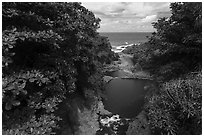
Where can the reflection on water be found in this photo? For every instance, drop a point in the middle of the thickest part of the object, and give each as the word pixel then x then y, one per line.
pixel 125 96
pixel 125 99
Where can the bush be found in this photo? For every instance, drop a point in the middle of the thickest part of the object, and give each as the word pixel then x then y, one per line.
pixel 50 51
pixel 170 55
pixel 178 40
pixel 171 71
pixel 177 109
pixel 131 49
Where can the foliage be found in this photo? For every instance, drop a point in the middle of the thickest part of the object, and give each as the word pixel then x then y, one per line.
pixel 171 54
pixel 177 43
pixel 177 109
pixel 139 125
pixel 88 123
pixel 174 52
pixel 50 50
pixel 131 49
pixel 34 126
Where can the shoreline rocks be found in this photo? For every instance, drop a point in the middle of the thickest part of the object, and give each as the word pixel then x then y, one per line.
pixel 107 78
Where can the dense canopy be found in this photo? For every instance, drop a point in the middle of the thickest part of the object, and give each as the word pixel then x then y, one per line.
pixel 50 51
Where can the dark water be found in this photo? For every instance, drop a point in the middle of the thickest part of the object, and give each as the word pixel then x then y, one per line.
pixel 118 39
pixel 125 96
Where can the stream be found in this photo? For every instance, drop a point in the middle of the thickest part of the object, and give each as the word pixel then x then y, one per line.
pixel 124 99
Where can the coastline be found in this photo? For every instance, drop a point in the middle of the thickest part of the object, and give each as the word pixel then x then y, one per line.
pixel 120 48
pixel 125 63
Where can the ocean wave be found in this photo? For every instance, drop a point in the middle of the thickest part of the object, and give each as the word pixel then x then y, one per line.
pixel 120 48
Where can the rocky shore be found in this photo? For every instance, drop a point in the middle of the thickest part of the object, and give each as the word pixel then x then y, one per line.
pixel 126 65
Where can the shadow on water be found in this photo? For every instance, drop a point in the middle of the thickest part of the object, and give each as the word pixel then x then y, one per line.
pixel 125 96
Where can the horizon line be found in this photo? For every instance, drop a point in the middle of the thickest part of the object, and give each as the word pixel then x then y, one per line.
pixel 127 32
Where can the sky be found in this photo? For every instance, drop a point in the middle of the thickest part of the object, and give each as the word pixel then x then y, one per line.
pixel 128 16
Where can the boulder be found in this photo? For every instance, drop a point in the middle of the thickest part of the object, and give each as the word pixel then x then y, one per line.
pixel 107 78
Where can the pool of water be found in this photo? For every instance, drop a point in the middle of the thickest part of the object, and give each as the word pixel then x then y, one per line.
pixel 125 96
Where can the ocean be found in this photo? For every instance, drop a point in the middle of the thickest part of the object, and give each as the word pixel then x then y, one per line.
pixel 121 40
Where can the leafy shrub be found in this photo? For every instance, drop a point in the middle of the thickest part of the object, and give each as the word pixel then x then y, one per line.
pixel 170 55
pixel 178 39
pixel 131 49
pixel 177 109
pixel 34 126
pixel 50 51
pixel 171 70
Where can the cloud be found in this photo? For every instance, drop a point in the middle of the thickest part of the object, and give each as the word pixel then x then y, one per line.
pixel 149 18
pixel 127 16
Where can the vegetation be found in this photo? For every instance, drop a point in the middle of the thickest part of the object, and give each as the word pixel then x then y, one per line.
pixel 52 65
pixel 177 107
pixel 173 55
pixel 51 52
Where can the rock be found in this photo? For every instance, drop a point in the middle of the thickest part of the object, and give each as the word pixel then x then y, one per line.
pixel 107 78
pixel 102 110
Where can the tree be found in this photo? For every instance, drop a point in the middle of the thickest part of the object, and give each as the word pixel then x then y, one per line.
pixel 174 57
pixel 48 53
pixel 177 42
